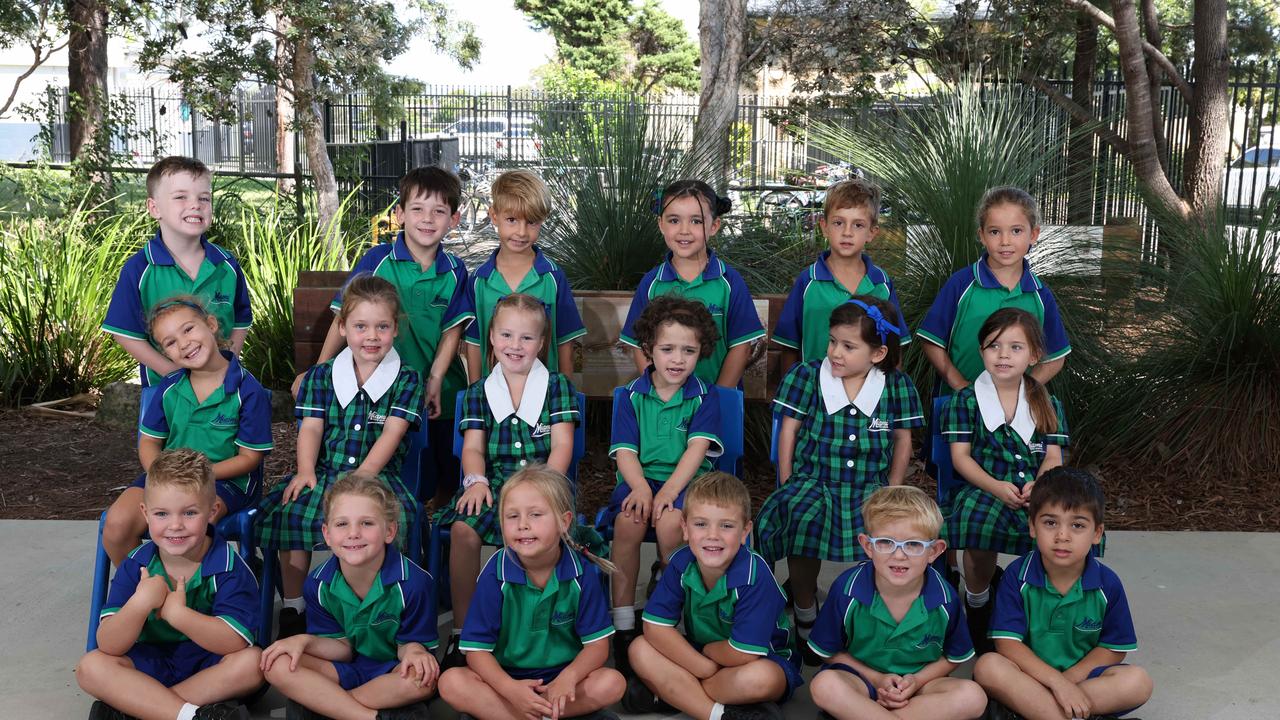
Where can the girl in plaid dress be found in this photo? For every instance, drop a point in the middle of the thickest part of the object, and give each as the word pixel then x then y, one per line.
pixel 520 415
pixel 355 410
pixel 1005 430
pixel 845 432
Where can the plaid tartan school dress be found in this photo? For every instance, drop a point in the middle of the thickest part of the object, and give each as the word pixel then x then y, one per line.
pixel 354 417
pixel 514 436
pixel 1012 452
pixel 843 451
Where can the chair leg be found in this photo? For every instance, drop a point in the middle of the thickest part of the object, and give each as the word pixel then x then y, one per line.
pixel 98 593
pixel 267 595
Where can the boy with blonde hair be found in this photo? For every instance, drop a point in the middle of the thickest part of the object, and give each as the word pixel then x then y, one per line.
pixel 892 627
pixel 177 632
pixel 737 657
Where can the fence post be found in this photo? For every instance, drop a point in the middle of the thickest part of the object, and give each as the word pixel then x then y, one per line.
pixel 239 133
pixel 155 151
pixel 328 122
pixel 510 136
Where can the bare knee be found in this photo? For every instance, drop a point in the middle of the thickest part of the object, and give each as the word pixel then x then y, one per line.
pixel 245 664
pixel 1137 682
pixel 456 683
pixel 991 668
pixel 829 690
pixel 606 684
pixel 278 673
pixel 95 670
pixel 642 655
pixel 967 697
pixel 463 537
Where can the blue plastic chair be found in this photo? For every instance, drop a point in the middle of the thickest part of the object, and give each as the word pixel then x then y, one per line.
pixel 439 536
pixel 940 454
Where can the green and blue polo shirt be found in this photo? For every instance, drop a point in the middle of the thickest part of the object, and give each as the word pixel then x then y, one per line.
pixel 528 628
pixel 152 275
pixel 235 415
pixel 855 619
pixel 426 297
pixel 721 289
pixel 970 296
pixel 222 587
pixel 398 609
pixel 804 323
pixel 1060 629
pixel 658 431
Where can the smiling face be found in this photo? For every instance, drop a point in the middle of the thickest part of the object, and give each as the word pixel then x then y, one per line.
pixel 182 205
pixel 674 353
pixel 850 354
pixel 714 533
pixel 516 338
pixel 370 331
pixel 897 569
pixel 1064 536
pixel 516 234
pixel 848 230
pixel 426 219
pixel 357 530
pixel 1007 235
pixel 530 527
pixel 178 518
pixel 186 338
pixel 686 223
pixel 1007 354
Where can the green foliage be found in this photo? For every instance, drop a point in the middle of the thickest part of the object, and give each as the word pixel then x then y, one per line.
pixel 51 271
pixel 588 33
pixel 663 55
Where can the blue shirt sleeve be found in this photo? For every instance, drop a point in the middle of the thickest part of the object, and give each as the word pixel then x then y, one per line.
pixel 1009 616
pixel 639 302
pixel 705 422
pixel 123 585
pixel 828 636
pixel 625 434
pixel 568 320
pixel 667 602
pixel 319 621
pixel 242 311
pixel 1117 624
pixel 125 314
pixel 1056 345
pixel 462 309
pixel 756 614
pixel 958 646
pixel 236 602
pixel 741 322
pixel 418 620
pixel 366 264
pixel 937 323
pixel 789 330
pixel 254 431
pixel 593 622
pixel 154 423
pixel 484 617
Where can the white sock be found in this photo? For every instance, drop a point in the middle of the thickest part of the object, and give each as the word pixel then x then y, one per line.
pixel 807 614
pixel 188 712
pixel 624 617
pixel 456 631
pixel 298 603
pixel 977 600
pixel 716 711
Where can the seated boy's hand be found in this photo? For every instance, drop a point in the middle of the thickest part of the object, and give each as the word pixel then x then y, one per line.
pixel 1010 495
pixel 525 696
pixel 152 591
pixel 175 602
pixel 420 666
pixel 896 690
pixel 291 647
pixel 474 499
pixel 1070 698
pixel 559 693
pixel 638 504
pixel 663 502
pixel 302 482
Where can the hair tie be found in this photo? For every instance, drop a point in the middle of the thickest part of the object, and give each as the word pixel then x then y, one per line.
pixel 656 207
pixel 177 301
pixel 883 326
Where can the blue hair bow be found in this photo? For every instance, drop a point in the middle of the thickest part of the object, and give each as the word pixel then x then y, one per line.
pixel 883 326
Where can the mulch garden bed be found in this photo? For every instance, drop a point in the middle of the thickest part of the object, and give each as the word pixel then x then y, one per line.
pixel 68 468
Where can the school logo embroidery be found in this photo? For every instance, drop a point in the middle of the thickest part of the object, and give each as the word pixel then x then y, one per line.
pixel 715 309
pixel 384 616
pixel 376 418
pixel 683 426
pixel 726 614
pixel 927 640
pixel 541 429
pixel 878 425
pixel 1088 624
pixel 560 617
pixel 220 297
pixel 1036 447
pixel 223 421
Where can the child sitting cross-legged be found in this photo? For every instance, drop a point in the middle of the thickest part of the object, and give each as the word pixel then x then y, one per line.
pixel 371 618
pixel 177 631
pixel 736 659
pixel 892 627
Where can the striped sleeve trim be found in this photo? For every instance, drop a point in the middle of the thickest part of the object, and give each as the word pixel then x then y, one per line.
pixel 473 646
pixel 408 413
pixel 260 447
pixel 241 630
pixel 909 422
pixel 1123 648
pixel 573 414
pixel 464 317
pixel 960 658
pixel 570 337
pixel 241 326
pixel 789 407
pixel 123 333
pixel 628 341
pixel 819 649
pixel 107 612
pixel 717 447
pixel 1058 355
pixel 904 339
pixel 746 338
pixel 598 635
pixel 151 432
pixel 929 337
pixel 615 448
pixel 785 342
pixel 654 619
pixel 748 649
pixel 1005 635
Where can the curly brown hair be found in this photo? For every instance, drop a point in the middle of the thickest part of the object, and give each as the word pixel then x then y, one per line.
pixel 679 310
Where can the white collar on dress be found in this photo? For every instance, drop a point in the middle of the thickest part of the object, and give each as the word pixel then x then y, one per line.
pixel 984 389
pixel 498 393
pixel 836 398
pixel 345 384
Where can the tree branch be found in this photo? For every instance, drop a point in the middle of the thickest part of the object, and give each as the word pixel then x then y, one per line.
pixel 1160 58
pixel 1106 134
pixel 40 59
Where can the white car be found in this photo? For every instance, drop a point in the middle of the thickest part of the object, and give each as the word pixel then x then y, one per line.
pixel 1253 179
pixel 500 137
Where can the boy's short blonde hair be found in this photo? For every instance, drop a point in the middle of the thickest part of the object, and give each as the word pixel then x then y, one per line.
pixel 852 193
pixel 521 193
pixel 719 488
pixel 182 468
pixel 902 502
pixel 367 486
pixel 173 165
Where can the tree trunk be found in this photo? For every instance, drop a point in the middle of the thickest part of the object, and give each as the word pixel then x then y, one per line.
pixel 310 120
pixel 285 146
pixel 1080 154
pixel 1207 149
pixel 1155 36
pixel 86 72
pixel 721 24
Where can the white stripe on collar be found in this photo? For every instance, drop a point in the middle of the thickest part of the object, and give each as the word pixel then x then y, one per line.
pixel 498 394
pixel 346 386
pixel 835 398
pixel 984 390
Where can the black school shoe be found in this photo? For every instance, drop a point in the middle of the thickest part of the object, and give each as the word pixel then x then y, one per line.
pixel 222 711
pixel 597 715
pixel 412 711
pixel 755 711
pixel 453 655
pixel 296 711
pixel 291 623
pixel 102 711
pixel 621 642
pixel 640 700
pixel 980 618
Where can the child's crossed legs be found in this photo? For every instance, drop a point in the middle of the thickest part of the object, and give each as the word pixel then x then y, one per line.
pixel 758 681
pixel 116 681
pixel 846 695
pixel 467 692
pixel 1110 690
pixel 317 684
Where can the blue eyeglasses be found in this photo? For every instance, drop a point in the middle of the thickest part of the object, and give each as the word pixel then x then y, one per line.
pixel 912 548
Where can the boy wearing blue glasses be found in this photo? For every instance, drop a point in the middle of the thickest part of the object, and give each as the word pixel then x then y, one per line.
pixel 892 629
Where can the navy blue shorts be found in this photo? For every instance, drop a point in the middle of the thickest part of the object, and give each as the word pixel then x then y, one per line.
pixel 871 689
pixel 171 663
pixel 622 490
pixel 361 670
pixel 791 671
pixel 232 498
pixel 546 675
pixel 1097 672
